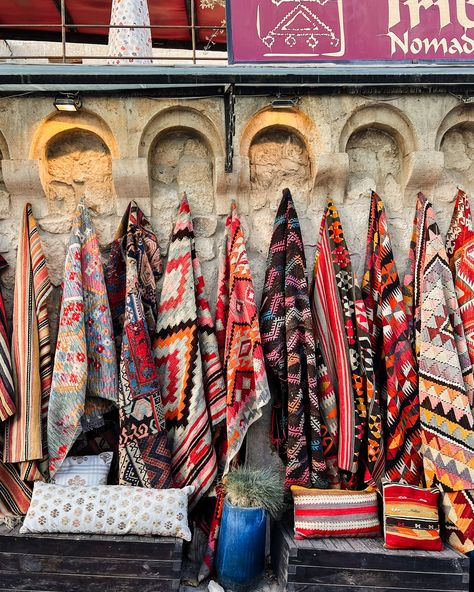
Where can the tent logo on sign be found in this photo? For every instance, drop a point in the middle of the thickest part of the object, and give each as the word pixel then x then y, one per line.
pixel 305 28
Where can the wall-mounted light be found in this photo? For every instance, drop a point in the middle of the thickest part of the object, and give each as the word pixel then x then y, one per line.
pixel 284 103
pixel 68 102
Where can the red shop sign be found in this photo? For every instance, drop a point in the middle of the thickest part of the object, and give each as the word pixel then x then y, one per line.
pixel 350 30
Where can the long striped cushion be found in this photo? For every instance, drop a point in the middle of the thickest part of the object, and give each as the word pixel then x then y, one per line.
pixel 411 517
pixel 333 513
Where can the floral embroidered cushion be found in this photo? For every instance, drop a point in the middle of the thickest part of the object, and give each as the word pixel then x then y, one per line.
pixel 411 517
pixel 84 471
pixel 334 513
pixel 108 509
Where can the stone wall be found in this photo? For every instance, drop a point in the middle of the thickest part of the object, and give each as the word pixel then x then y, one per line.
pixel 121 148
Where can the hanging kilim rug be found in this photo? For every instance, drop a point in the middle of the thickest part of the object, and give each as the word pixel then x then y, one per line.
pixel 131 274
pixel 445 372
pixel 334 315
pixel 7 392
pixel 189 368
pixel 393 356
pixel 85 364
pixel 15 494
pixel 290 352
pixel 460 251
pixel 25 431
pixel 458 510
pixel 240 348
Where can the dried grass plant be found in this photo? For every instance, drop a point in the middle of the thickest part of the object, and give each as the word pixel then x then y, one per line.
pixel 256 488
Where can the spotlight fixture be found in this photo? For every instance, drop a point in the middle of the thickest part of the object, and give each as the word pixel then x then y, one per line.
pixel 280 103
pixel 68 102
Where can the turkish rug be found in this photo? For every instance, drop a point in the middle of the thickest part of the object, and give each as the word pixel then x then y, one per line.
pixel 290 352
pixel 189 367
pixel 392 352
pixel 7 392
pixel 334 315
pixel 445 371
pixel 26 430
pixel 239 341
pixel 132 272
pixel 460 251
pixel 85 364
pixel 458 510
pixel 241 352
pixel 15 494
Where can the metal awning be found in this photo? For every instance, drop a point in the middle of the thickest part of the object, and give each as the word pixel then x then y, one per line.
pixel 174 22
pixel 245 80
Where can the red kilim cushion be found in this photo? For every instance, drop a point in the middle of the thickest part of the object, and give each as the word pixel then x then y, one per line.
pixel 411 517
pixel 334 513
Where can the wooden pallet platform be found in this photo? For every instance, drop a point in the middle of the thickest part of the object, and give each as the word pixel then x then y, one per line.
pixel 363 565
pixel 73 563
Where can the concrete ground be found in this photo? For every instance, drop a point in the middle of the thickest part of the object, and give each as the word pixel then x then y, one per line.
pixel 267 584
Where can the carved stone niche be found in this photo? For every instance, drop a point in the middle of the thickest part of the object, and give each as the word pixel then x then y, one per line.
pixel 375 163
pixel 278 159
pixel 181 161
pixel 77 165
pixel 455 140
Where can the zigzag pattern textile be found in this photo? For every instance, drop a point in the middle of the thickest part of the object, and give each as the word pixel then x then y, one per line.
pixel 241 352
pixel 394 360
pixel 131 274
pixel 239 341
pixel 290 352
pixel 445 372
pixel 458 510
pixel 337 313
pixel 189 368
pixel 460 251
pixel 26 430
pixel 85 365
pixel 7 391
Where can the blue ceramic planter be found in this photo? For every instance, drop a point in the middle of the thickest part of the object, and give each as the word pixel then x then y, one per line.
pixel 241 550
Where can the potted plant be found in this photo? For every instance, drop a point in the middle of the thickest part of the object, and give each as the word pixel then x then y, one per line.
pixel 251 494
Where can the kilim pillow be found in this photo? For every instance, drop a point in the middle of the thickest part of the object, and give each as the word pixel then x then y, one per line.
pixel 84 470
pixel 108 509
pixel 334 513
pixel 411 517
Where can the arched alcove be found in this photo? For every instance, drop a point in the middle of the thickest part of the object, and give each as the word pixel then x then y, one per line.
pixel 455 139
pixel 379 139
pixel 77 164
pixel 375 163
pixel 279 158
pixel 181 160
pixel 278 149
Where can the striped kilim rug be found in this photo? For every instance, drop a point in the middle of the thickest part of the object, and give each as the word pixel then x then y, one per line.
pixel 132 273
pixel 445 372
pixel 189 368
pixel 290 352
pixel 85 365
pixel 393 355
pixel 26 430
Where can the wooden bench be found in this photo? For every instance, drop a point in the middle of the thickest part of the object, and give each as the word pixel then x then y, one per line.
pixel 71 563
pixel 363 565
